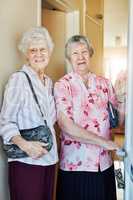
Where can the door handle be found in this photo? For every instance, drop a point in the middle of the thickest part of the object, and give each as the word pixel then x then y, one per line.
pixel 121 152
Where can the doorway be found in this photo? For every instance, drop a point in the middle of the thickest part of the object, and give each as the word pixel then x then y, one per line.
pixel 55 22
pixel 61 22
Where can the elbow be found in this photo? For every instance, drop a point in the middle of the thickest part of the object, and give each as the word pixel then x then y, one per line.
pixel 65 123
pixel 62 125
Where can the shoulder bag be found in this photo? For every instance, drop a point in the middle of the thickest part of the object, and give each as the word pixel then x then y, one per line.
pixel 41 133
pixel 113 115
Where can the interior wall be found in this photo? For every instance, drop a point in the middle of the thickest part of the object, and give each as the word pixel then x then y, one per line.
pixel 115 22
pixel 115 38
pixel 15 17
pixel 115 61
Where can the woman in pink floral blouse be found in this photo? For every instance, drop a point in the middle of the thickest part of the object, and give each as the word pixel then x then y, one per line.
pixel 86 167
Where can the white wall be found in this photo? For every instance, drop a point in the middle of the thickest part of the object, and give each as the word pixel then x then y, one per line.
pixel 15 17
pixel 115 21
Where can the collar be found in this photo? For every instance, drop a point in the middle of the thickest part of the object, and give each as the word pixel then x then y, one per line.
pixel 26 68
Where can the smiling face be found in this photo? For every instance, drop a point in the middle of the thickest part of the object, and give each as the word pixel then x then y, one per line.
pixel 38 55
pixel 80 58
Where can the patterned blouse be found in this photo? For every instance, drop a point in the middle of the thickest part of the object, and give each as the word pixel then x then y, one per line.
pixel 87 107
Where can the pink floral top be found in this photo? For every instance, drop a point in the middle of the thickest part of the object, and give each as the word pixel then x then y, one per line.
pixel 87 108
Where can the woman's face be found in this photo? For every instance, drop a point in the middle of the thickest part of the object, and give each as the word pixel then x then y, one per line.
pixel 38 55
pixel 79 58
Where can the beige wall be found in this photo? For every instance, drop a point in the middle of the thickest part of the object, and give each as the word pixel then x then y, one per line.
pixel 15 17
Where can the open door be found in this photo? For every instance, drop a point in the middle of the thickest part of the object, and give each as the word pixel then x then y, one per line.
pixel 61 25
pixel 129 111
pixel 55 22
pixel 94 31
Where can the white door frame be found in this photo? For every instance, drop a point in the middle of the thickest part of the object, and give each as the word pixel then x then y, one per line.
pixel 129 111
pixel 72 28
pixel 72 23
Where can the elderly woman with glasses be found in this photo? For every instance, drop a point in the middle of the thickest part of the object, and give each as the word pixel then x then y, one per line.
pixel 30 177
pixel 86 167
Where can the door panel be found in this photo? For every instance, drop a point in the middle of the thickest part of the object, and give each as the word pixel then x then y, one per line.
pixel 55 22
pixel 94 32
pixel 94 8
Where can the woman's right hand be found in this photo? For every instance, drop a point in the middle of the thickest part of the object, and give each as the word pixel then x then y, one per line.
pixel 34 149
pixel 110 145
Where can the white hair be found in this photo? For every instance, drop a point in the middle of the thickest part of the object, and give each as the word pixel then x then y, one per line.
pixel 35 34
pixel 78 39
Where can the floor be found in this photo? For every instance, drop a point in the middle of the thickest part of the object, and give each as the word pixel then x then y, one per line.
pixel 120 195
pixel 119 139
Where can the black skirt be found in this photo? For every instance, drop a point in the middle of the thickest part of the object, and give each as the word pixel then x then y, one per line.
pixel 76 185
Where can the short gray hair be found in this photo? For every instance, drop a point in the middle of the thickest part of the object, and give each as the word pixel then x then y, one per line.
pixel 35 33
pixel 76 39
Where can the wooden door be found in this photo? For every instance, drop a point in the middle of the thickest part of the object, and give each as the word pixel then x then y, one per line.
pixel 55 22
pixel 94 31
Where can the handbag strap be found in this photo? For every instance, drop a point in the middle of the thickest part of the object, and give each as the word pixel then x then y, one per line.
pixel 34 94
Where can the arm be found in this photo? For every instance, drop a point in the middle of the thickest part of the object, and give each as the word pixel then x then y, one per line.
pixel 120 89
pixel 112 94
pixel 12 102
pixel 75 131
pixel 51 102
pixel 113 97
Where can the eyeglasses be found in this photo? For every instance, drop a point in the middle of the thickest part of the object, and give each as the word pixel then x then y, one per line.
pixel 38 50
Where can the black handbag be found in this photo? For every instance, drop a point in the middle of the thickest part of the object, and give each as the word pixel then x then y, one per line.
pixel 41 133
pixel 113 115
